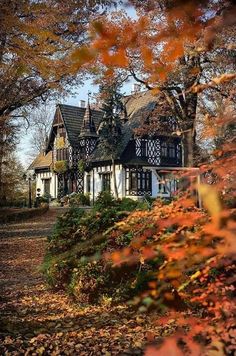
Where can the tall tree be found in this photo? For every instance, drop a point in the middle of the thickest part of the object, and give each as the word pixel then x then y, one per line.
pixel 110 128
pixel 40 126
pixel 12 184
pixel 8 140
pixel 36 38
pixel 169 48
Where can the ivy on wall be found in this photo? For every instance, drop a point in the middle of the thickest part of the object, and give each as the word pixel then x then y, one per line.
pixel 60 166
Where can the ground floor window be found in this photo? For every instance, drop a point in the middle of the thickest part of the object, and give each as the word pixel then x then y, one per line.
pixel 106 182
pixel 138 182
pixel 88 181
pixel 46 186
pixel 167 184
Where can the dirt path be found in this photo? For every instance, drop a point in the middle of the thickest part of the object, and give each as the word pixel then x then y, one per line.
pixel 37 321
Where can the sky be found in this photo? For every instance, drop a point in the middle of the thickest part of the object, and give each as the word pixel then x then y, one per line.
pixel 79 94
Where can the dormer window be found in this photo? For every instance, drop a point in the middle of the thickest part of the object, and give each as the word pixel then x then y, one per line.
pixel 164 149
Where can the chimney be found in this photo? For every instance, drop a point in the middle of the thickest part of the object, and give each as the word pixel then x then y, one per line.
pixel 136 88
pixel 82 103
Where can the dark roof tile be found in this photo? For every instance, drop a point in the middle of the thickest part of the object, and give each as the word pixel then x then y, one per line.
pixel 73 119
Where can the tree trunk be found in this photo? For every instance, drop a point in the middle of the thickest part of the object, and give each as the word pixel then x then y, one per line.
pixel 188 142
pixel 114 178
pixel 189 131
pixel 1 166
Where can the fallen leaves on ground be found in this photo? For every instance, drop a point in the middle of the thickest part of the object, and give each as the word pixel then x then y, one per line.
pixel 38 321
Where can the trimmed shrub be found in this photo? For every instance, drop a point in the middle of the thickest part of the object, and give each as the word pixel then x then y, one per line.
pixel 23 214
pixel 79 199
pixel 104 200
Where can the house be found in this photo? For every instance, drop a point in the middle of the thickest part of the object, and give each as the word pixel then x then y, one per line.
pixel 75 162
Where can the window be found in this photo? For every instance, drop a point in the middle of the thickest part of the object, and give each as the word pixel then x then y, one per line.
pixel 88 178
pixel 164 151
pixel 138 182
pixel 162 184
pixel 168 150
pixel 62 154
pixel 167 184
pixel 179 152
pixel 171 150
pixel 106 182
pixel 143 148
pixel 46 186
pixel 133 183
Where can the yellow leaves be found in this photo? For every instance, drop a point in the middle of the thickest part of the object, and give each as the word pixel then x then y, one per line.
pixel 195 275
pixel 60 166
pixel 224 78
pixel 82 55
pixel 123 226
pixel 211 202
pixel 40 350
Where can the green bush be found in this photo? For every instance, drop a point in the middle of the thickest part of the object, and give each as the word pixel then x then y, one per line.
pixel 104 200
pixel 78 237
pixel 127 204
pixel 79 199
pixel 63 236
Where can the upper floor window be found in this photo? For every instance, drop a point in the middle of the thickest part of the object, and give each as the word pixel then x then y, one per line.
pixel 168 149
pixel 164 149
pixel 144 148
pixel 62 154
pixel 171 150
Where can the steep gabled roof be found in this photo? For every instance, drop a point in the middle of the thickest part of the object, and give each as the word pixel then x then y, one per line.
pixel 88 128
pixel 42 161
pixel 138 107
pixel 73 120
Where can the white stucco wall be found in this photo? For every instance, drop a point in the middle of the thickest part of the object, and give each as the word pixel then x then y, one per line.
pixel 40 178
pixel 96 177
pixel 120 179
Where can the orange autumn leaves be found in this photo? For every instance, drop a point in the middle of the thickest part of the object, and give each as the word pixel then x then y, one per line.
pixel 180 232
pixel 156 40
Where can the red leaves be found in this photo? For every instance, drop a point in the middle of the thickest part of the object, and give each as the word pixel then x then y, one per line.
pixel 169 348
pixel 119 257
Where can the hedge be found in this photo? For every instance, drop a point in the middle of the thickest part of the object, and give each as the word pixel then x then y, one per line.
pixel 22 214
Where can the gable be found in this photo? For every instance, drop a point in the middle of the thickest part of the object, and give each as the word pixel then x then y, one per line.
pixel 57 118
pixel 42 161
pixel 71 117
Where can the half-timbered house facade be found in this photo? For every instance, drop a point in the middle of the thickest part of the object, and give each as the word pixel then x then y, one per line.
pixel 144 165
